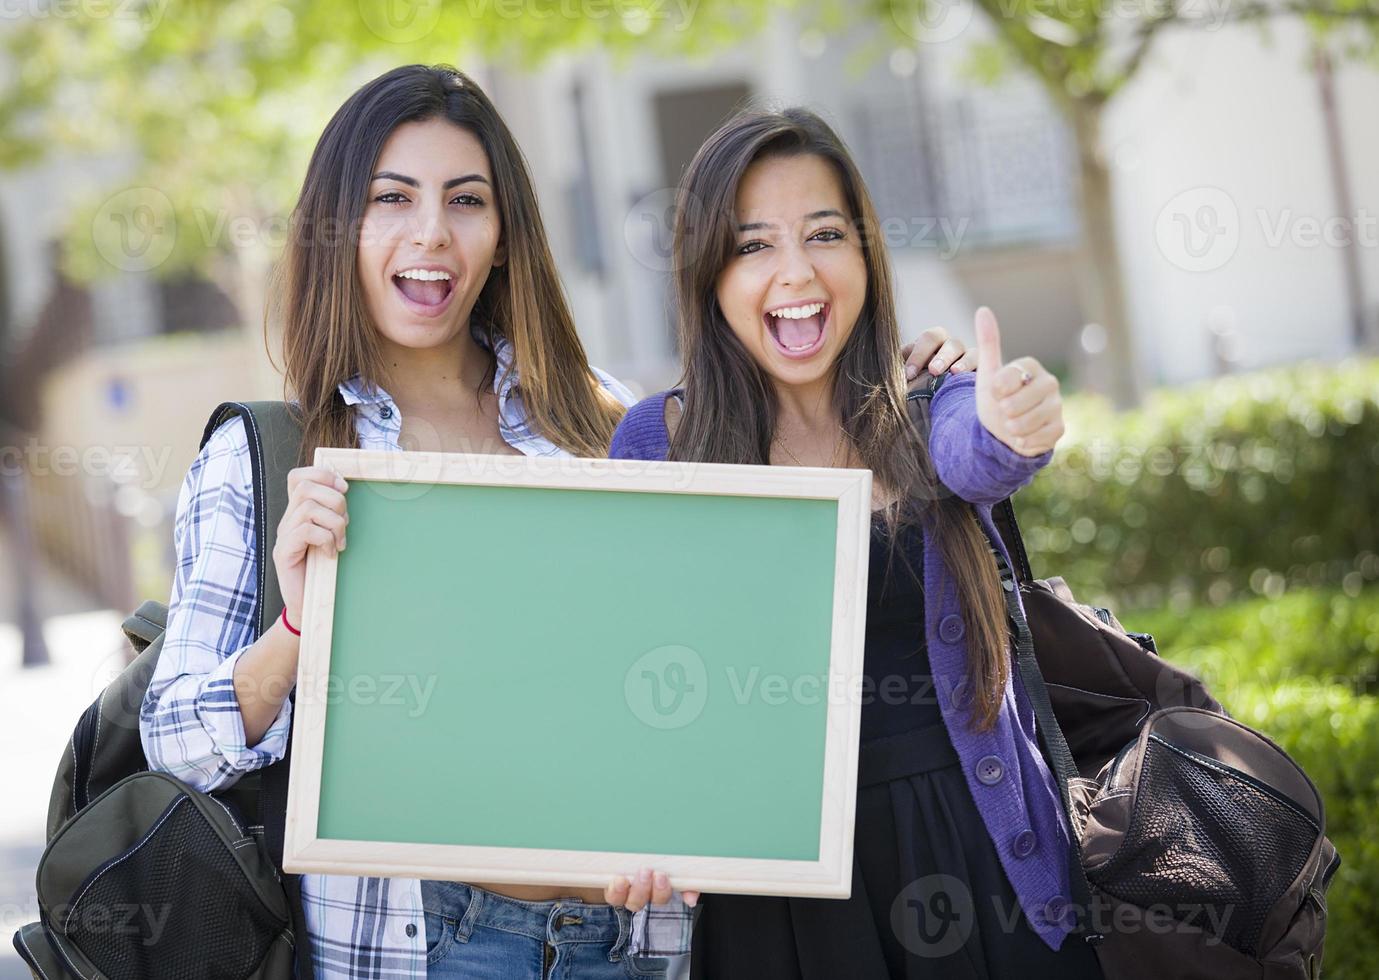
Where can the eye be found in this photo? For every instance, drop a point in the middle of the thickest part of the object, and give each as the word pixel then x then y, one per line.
pixel 747 248
pixel 827 235
pixel 391 197
pixel 468 200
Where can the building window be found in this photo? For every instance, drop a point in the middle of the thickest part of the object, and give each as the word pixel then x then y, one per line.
pixel 986 168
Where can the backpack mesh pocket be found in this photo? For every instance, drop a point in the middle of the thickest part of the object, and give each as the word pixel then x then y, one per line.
pixel 176 906
pixel 1214 845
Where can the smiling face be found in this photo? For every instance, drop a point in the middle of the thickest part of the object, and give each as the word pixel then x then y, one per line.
pixel 797 279
pixel 430 235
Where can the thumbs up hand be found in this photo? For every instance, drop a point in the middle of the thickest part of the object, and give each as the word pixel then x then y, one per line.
pixel 1019 402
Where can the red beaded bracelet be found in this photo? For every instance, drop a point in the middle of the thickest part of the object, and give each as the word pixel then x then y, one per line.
pixel 290 628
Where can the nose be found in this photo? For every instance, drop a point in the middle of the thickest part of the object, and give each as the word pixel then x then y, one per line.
pixel 795 268
pixel 430 230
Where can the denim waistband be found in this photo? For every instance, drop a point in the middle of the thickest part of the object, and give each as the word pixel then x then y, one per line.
pixel 563 920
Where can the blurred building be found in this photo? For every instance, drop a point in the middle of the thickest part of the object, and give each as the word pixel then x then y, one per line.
pixel 1235 240
pixel 975 188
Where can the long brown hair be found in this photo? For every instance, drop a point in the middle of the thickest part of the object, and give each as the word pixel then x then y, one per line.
pixel 730 406
pixel 327 335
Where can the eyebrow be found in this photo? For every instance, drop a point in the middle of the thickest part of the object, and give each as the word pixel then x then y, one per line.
pixel 413 182
pixel 811 216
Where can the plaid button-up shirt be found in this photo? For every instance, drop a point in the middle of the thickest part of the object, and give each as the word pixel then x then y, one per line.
pixel 190 721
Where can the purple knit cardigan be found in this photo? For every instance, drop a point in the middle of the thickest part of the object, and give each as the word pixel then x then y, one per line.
pixel 1011 783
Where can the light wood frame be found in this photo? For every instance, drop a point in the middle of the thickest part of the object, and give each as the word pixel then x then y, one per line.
pixel 828 877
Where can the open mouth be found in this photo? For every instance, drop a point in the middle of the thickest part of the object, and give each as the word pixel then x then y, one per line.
pixel 425 291
pixel 798 330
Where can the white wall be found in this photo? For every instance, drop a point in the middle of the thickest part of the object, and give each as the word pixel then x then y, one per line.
pixel 1224 133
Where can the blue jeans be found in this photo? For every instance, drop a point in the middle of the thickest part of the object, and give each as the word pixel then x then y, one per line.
pixel 478 935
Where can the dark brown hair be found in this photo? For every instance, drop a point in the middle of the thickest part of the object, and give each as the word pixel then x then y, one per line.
pixel 327 334
pixel 730 405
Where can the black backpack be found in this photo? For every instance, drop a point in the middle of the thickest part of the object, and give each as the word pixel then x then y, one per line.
pixel 143 877
pixel 1200 848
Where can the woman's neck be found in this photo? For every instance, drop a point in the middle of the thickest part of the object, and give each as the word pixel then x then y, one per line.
pixel 425 379
pixel 808 429
pixel 807 408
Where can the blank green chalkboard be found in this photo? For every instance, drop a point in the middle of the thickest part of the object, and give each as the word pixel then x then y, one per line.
pixel 555 671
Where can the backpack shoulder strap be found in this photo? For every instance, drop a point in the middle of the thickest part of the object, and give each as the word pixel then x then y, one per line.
pixel 1003 514
pixel 275 444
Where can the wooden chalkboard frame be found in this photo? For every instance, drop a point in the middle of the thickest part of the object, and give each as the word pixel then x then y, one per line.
pixel 828 877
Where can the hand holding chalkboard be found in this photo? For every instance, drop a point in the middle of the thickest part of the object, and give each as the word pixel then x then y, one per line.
pixel 315 515
pixel 649 886
pixel 1019 402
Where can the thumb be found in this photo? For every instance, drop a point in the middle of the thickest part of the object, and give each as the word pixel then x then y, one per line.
pixel 988 343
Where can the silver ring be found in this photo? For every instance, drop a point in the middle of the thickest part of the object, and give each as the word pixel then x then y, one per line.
pixel 1025 377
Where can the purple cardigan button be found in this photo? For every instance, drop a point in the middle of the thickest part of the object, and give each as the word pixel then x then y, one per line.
pixel 1057 911
pixel 961 697
pixel 951 629
pixel 1024 842
pixel 990 770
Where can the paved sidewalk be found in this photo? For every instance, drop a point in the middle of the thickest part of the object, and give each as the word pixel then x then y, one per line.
pixel 38 708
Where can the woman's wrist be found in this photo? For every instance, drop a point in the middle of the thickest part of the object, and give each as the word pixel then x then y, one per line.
pixel 288 624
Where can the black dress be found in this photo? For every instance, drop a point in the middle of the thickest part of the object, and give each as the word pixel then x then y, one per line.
pixel 929 896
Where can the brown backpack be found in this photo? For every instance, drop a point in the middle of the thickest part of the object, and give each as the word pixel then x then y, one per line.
pixel 1201 846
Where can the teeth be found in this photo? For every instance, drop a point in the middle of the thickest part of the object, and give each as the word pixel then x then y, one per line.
pixel 798 312
pixel 425 275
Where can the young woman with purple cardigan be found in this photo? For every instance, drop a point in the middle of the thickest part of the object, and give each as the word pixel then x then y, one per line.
pixel 792 357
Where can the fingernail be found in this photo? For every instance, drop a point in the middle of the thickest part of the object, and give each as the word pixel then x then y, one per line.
pixel 661 880
pixel 644 875
pixel 911 372
pixel 937 363
pixel 691 900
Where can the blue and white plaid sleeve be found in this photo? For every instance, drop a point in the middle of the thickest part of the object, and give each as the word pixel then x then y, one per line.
pixel 190 721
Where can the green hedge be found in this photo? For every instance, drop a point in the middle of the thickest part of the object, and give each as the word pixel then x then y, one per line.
pixel 1246 485
pixel 1317 635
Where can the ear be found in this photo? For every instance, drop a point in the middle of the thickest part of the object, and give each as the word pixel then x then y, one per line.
pixel 500 254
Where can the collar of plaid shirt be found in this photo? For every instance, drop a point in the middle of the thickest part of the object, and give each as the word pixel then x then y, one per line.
pixel 376 407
